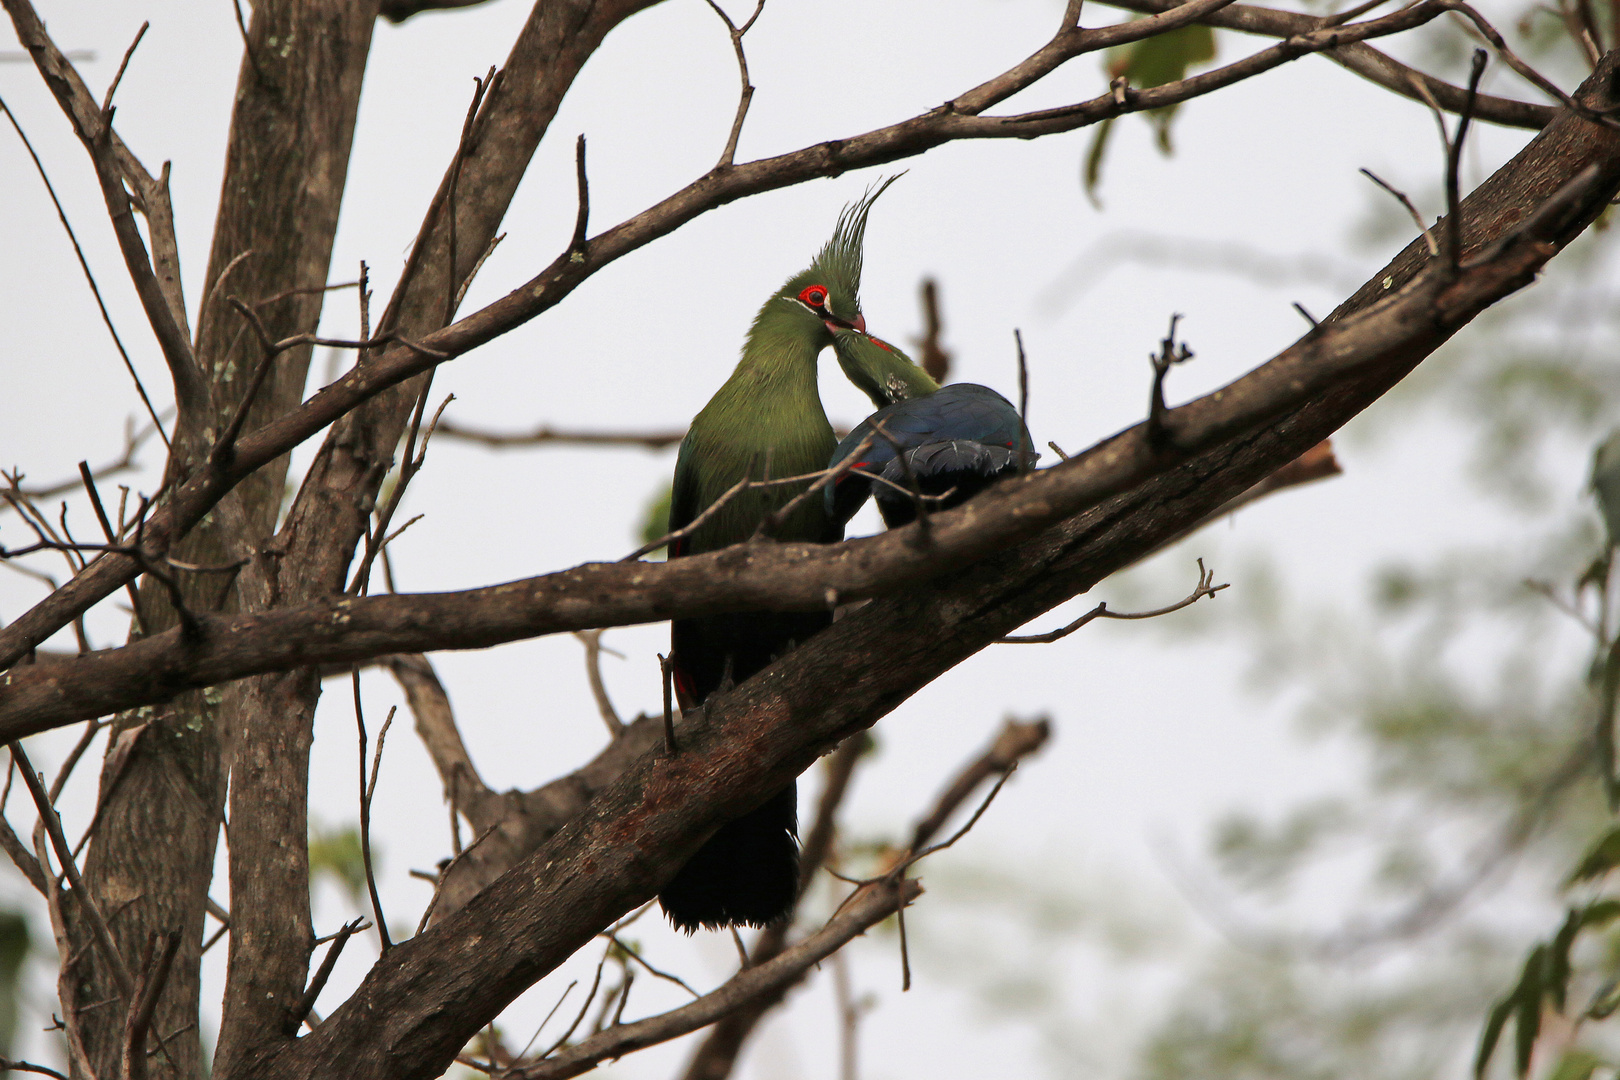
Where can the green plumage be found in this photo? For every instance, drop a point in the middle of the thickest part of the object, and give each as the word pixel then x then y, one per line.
pixel 768 416
pixel 765 422
pixel 881 371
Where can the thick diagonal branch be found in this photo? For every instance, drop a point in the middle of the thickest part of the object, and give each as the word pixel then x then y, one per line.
pixel 960 119
pixel 414 1012
pixel 1405 325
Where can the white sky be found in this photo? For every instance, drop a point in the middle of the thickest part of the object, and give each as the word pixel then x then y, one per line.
pixel 1154 738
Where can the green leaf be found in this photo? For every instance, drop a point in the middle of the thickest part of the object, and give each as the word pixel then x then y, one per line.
pixel 1606 484
pixel 1492 1034
pixel 1605 1001
pixel 1576 1064
pixel 1557 965
pixel 337 852
pixel 1523 1003
pixel 1094 160
pixel 1601 913
pixel 1526 1026
pixel 1155 61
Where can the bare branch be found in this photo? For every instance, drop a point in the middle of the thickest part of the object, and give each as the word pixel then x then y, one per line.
pixel 870 906
pixel 540 436
pixel 112 88
pixel 1411 321
pixel 64 856
pixel 1203 589
pixel 29 1067
pixel 957 120
pixel 1362 59
pixel 716 1055
pixel 301 1008
pixel 133 439
pixel 1017 740
pixel 444 875
pixel 729 155
pixel 90 277
pixel 1454 224
pixel 592 640
pixel 154 976
pixel 654 972
pixel 436 726
pixel 366 791
pixel 582 219
pixel 1412 211
pixel 95 132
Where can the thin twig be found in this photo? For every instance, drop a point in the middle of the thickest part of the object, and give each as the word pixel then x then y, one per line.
pixel 306 1000
pixel 481 87
pixel 112 538
pixel 1454 242
pixel 582 219
pixel 29 1067
pixel 466 282
pixel 91 730
pixel 729 155
pixel 547 1018
pixel 932 356
pixel 1204 588
pixel 654 972
pixel 775 520
pixel 1167 357
pixel 90 277
pixel 583 1009
pixel 410 464
pixel 592 640
pixel 1417 218
pixel 444 875
pixel 692 526
pixel 64 855
pixel 112 88
pixel 666 665
pixel 365 807
pixel 139 1020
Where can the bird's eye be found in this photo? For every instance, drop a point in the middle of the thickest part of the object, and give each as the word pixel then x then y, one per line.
pixel 815 296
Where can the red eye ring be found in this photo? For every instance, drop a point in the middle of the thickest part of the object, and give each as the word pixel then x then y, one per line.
pixel 814 297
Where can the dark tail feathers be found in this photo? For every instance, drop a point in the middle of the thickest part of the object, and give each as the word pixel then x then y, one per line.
pixel 746 874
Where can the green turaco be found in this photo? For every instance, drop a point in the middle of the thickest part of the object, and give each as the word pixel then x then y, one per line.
pixel 766 421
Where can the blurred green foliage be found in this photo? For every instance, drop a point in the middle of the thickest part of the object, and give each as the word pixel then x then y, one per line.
pixel 1455 905
pixel 13 951
pixel 334 851
pixel 655 520
pixel 1145 64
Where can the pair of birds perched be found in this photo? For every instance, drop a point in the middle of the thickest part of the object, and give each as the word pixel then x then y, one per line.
pixel 768 421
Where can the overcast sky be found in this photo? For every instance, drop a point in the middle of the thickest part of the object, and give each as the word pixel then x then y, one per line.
pixel 1155 737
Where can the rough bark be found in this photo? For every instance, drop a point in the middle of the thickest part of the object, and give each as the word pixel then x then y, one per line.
pixel 291 132
pixel 961 118
pixel 422 1000
pixel 271 933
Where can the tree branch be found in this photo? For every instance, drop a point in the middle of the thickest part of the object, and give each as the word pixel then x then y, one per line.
pixel 746 743
pixel 1400 329
pixel 870 905
pixel 956 120
pixel 1362 59
pixel 112 165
